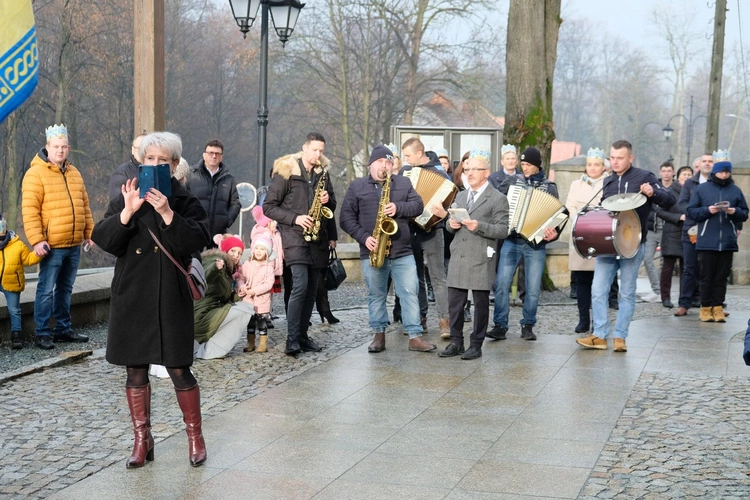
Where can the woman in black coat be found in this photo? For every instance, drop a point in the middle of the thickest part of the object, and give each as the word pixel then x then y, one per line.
pixel 151 309
pixel 671 237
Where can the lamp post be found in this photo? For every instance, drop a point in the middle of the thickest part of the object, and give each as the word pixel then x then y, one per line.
pixel 691 122
pixel 284 14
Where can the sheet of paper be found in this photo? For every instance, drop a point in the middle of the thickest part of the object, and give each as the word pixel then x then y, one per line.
pixel 459 214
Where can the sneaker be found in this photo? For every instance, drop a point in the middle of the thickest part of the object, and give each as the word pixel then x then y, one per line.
pixel 592 342
pixel 619 345
pixel 70 336
pixel 651 297
pixel 497 333
pixel 44 342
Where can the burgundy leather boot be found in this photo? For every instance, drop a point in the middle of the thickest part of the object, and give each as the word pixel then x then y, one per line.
pixel 190 404
pixel 139 402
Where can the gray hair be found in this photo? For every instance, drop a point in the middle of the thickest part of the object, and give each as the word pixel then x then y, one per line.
pixel 166 141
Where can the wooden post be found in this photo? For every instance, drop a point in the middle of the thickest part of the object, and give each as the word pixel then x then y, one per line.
pixel 714 83
pixel 148 59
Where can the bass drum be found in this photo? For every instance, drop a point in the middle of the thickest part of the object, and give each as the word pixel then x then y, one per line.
pixel 597 231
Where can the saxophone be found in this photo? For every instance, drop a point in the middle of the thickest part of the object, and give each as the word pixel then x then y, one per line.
pixel 317 210
pixel 385 227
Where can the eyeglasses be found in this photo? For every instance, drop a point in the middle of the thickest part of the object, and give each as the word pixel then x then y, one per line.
pixel 474 169
pixel 213 153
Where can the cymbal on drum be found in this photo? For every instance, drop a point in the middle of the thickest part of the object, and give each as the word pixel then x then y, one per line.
pixel 624 201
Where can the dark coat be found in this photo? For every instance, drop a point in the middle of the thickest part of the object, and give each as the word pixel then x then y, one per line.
pixel 217 194
pixel 671 236
pixel 359 211
pixel 290 195
pixel 537 181
pixel 151 310
pixel 496 179
pixel 123 173
pixel 630 182
pixel 717 231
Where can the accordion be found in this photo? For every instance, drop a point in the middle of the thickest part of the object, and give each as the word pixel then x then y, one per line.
pixel 533 210
pixel 432 188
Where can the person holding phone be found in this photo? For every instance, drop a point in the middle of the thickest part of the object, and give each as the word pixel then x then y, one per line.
pixel 57 220
pixel 151 310
pixel 719 208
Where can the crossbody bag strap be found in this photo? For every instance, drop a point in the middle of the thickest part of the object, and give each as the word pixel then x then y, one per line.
pixel 182 270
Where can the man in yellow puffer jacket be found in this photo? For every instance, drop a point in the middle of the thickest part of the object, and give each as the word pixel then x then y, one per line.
pixel 56 220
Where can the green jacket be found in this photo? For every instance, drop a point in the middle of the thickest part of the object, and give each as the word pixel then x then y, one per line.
pixel 210 311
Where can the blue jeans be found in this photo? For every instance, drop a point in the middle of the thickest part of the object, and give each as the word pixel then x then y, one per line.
pixel 510 254
pixel 606 271
pixel 403 272
pixel 57 273
pixel 13 300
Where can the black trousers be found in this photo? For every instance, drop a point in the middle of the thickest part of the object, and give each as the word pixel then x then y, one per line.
pixel 301 300
pixel 689 288
pixel 456 301
pixel 715 268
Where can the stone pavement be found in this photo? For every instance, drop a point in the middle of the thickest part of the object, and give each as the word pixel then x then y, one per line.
pixel 668 419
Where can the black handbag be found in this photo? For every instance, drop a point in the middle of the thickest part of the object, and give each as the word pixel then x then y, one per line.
pixel 335 273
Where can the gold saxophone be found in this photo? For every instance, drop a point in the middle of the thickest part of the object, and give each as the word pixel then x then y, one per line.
pixel 385 227
pixel 317 210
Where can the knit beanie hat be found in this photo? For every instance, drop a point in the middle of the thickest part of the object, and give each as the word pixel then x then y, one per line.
pixel 265 242
pixel 259 216
pixel 231 242
pixel 379 152
pixel 533 156
pixel 722 166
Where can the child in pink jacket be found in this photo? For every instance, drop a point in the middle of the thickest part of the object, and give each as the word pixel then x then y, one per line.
pixel 258 273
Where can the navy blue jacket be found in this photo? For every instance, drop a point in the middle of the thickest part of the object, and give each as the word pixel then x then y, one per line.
pixel 496 179
pixel 630 182
pixel 717 231
pixel 537 181
pixel 360 209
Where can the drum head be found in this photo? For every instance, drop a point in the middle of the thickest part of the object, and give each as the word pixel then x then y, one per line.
pixel 624 201
pixel 627 233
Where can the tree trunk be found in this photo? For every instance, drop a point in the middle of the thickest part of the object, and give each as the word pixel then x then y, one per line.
pixel 533 28
pixel 13 172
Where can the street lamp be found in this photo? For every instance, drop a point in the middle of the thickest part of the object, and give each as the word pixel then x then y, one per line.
pixel 691 122
pixel 284 14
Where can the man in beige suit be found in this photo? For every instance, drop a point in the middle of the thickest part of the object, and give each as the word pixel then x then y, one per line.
pixel 473 262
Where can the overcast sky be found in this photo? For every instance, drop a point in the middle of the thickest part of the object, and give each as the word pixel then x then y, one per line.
pixel 632 19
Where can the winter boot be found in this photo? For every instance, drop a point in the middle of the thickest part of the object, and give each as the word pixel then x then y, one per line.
pixel 263 335
pixel 139 402
pixel 190 404
pixel 719 314
pixel 706 314
pixel 250 347
pixel 16 340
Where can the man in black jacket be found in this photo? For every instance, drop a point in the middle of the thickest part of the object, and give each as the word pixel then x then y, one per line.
pixel 126 171
pixel 625 178
pixel 211 182
pixel 295 178
pixel 359 212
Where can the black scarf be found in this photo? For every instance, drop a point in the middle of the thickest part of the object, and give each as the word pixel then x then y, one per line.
pixel 5 239
pixel 721 182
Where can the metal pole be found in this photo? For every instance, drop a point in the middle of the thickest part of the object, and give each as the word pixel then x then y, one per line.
pixel 690 130
pixel 263 95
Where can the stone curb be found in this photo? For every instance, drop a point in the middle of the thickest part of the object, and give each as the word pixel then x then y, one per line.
pixel 66 358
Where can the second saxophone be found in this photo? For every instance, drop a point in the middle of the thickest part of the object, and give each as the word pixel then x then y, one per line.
pixel 385 227
pixel 317 209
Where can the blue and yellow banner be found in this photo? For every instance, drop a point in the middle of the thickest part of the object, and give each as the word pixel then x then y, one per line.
pixel 19 56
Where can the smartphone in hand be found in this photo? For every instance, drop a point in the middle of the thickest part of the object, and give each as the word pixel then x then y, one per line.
pixel 158 177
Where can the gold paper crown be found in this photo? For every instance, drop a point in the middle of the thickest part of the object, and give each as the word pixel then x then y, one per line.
pixel 722 155
pixel 596 153
pixel 57 132
pixel 480 153
pixel 393 148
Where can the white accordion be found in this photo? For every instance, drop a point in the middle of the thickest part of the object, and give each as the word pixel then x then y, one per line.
pixel 533 210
